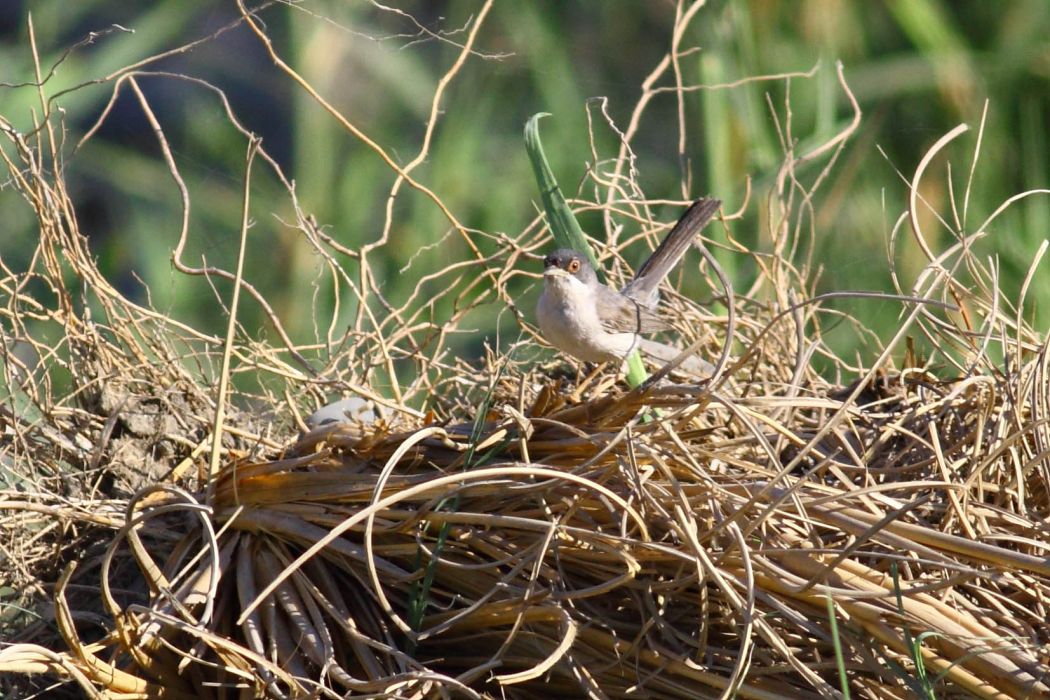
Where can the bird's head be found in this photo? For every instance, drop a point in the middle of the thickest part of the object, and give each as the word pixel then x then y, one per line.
pixel 565 263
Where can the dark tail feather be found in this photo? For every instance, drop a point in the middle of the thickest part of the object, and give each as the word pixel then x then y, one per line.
pixel 671 249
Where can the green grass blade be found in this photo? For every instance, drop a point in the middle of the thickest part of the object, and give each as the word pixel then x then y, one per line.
pixel 419 591
pixel 564 227
pixel 840 661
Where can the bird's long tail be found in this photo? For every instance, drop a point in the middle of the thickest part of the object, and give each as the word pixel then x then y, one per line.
pixel 663 354
pixel 646 281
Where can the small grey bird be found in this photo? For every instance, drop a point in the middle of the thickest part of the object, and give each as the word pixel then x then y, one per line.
pixel 583 317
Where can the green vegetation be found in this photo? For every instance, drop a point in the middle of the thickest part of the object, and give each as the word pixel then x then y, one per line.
pixel 917 68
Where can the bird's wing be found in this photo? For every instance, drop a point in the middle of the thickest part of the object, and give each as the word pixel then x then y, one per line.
pixel 621 314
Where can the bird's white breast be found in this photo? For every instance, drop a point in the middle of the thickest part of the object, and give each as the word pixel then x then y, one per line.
pixel 569 321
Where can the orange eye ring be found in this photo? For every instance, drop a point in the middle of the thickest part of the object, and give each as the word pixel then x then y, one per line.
pixel 574 266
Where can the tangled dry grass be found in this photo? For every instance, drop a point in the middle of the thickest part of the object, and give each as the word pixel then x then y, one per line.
pixel 500 530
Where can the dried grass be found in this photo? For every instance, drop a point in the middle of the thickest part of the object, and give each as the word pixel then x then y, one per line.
pixel 572 538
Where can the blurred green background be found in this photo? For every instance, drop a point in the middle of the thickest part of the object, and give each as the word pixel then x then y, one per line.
pixel 917 67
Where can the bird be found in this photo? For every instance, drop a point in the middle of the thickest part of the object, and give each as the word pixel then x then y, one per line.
pixel 590 321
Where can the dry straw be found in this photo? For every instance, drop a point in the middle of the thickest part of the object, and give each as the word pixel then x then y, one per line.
pixel 763 534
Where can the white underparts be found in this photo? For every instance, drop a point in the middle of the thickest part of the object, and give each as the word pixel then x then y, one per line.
pixel 569 321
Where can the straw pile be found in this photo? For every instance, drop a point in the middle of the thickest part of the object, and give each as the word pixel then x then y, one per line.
pixel 764 533
pixel 578 541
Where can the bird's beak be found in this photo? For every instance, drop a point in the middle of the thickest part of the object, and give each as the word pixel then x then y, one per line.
pixel 553 272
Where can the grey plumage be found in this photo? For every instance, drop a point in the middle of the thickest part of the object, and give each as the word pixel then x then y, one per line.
pixel 661 353
pixel 623 314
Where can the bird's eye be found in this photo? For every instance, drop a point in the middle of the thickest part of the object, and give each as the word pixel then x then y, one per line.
pixel 574 266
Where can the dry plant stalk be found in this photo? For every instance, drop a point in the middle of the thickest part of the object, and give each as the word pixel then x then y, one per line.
pixel 560 539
